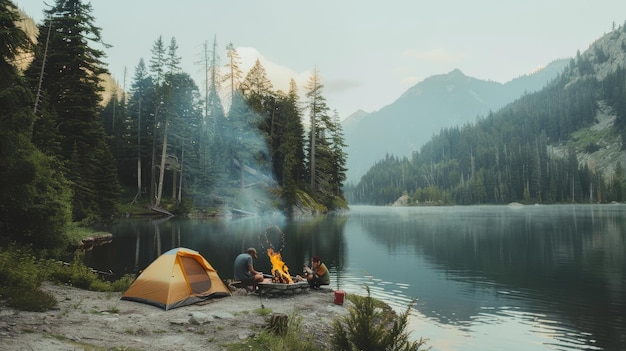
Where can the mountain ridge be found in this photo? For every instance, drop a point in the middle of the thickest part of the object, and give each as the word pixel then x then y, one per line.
pixel 562 144
pixel 439 101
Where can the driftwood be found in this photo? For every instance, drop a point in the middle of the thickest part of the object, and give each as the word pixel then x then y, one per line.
pixel 160 210
pixel 279 323
pixel 96 240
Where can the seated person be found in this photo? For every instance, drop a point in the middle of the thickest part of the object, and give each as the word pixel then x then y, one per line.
pixel 318 274
pixel 244 270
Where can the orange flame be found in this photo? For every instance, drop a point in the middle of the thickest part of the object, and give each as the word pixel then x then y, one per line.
pixel 279 268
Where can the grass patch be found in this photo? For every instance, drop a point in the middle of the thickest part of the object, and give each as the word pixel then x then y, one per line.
pixel 294 339
pixel 263 311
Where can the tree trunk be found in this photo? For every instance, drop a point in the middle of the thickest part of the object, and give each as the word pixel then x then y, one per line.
pixel 312 156
pixel 153 161
pixel 138 155
pixel 174 183
pixel 279 323
pixel 162 170
pixel 180 178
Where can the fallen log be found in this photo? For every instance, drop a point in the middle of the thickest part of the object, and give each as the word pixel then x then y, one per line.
pixel 92 241
pixel 160 210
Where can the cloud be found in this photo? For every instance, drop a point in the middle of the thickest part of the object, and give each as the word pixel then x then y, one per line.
pixel 436 55
pixel 279 75
pixel 341 85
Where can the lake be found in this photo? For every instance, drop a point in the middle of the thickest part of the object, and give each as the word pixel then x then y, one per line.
pixel 481 277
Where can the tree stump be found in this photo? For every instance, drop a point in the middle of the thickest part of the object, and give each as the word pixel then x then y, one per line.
pixel 278 323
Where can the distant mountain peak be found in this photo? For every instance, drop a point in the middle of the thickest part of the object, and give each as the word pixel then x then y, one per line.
pixel 456 72
pixel 354 118
pixel 440 101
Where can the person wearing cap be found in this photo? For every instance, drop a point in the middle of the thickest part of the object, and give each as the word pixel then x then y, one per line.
pixel 244 270
pixel 318 274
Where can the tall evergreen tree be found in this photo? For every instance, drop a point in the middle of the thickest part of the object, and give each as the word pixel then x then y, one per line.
pixel 141 105
pixel 71 87
pixel 213 156
pixel 214 108
pixel 182 109
pixel 318 116
pixel 34 194
pixel 234 74
pixel 339 159
pixel 250 118
pixel 289 160
pixel 256 86
pixel 158 63
pixel 173 60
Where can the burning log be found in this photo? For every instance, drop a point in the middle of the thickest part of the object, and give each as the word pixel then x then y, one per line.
pixel 280 271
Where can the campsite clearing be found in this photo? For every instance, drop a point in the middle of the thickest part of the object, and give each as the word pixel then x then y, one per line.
pixel 87 320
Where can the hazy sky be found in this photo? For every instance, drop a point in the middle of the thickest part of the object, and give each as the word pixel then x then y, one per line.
pixel 367 52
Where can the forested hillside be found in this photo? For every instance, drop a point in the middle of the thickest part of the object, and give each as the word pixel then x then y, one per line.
pixel 437 102
pixel 164 145
pixel 563 144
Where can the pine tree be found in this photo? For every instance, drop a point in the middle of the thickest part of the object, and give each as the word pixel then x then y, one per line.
pixel 256 86
pixel 234 74
pixel 339 159
pixel 34 195
pixel 248 119
pixel 318 115
pixel 173 60
pixel 71 93
pixel 289 160
pixel 214 108
pixel 182 109
pixel 158 61
pixel 157 69
pixel 140 106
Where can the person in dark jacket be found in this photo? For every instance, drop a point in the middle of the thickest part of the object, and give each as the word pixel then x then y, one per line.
pixel 244 270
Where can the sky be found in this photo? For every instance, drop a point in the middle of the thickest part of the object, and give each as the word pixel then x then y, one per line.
pixel 367 53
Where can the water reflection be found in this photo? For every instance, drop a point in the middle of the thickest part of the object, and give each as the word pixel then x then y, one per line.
pixel 488 277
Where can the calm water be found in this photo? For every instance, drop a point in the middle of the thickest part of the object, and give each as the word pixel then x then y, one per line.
pixel 484 277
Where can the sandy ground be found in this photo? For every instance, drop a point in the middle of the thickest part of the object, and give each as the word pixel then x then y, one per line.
pixel 87 320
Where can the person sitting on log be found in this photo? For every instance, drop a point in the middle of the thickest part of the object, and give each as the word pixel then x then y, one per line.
pixel 318 274
pixel 244 270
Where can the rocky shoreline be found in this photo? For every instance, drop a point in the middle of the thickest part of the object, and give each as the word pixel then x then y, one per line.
pixel 98 320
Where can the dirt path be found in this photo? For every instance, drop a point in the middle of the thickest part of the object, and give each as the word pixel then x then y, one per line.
pixel 87 320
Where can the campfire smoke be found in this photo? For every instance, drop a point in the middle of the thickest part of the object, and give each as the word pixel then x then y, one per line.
pixel 280 271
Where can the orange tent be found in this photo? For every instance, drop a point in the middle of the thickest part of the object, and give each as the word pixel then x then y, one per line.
pixel 177 278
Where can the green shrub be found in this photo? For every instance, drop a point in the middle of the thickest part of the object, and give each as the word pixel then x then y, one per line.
pixel 123 283
pixel 21 275
pixel 368 327
pixel 30 300
pixel 20 269
pixel 80 276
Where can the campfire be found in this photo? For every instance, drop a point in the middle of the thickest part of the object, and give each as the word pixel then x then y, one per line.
pixel 280 271
pixel 281 283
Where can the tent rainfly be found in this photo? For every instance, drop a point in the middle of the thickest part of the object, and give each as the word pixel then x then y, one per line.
pixel 177 278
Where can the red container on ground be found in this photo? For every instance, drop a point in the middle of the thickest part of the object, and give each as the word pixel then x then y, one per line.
pixel 339 295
